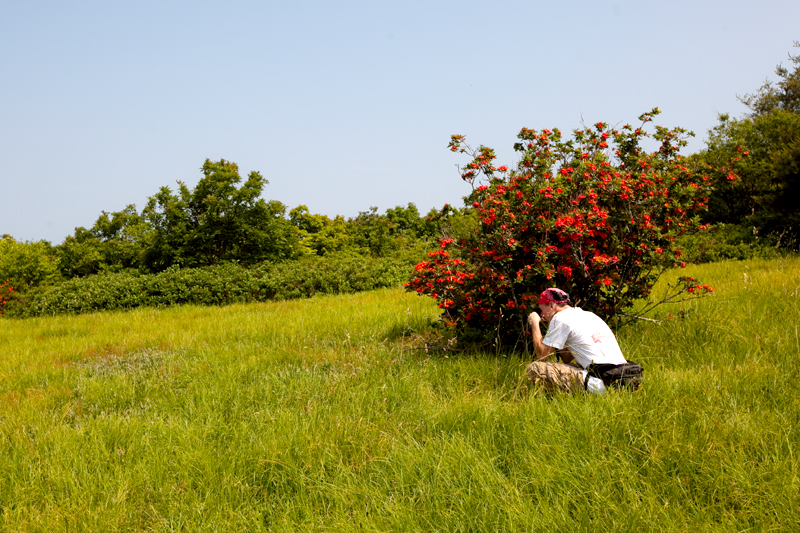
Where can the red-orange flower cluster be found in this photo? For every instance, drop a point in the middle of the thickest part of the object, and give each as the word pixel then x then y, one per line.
pixel 6 290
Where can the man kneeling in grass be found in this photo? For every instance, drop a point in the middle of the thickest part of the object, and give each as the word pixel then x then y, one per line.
pixel 581 337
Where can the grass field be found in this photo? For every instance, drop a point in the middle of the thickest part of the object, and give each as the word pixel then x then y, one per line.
pixel 319 415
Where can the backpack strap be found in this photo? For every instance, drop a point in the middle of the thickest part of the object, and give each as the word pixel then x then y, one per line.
pixel 591 372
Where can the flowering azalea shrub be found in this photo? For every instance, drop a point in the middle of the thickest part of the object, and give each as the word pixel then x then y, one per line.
pixel 595 215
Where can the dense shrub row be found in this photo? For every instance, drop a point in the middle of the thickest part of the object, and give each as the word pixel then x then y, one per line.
pixel 217 285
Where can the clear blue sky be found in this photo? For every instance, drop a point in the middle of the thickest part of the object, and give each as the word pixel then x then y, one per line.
pixel 341 105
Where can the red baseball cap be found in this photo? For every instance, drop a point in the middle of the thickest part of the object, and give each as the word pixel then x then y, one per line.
pixel 553 296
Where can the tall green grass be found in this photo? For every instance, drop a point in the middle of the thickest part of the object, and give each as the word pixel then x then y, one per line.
pixel 323 414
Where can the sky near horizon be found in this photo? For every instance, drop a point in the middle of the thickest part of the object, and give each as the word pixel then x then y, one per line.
pixel 342 105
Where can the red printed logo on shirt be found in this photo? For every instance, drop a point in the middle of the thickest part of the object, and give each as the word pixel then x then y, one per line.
pixel 598 337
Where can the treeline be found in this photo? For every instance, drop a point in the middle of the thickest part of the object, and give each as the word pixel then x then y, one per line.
pixel 222 219
pixel 758 213
pixel 216 243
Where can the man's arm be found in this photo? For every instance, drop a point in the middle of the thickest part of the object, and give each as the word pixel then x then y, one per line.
pixel 566 355
pixel 542 351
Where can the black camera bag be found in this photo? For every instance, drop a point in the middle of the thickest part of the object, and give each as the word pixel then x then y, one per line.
pixel 628 375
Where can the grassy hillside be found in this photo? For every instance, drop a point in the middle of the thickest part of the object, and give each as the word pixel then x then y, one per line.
pixel 318 415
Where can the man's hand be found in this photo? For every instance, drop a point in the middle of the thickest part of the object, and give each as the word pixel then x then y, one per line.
pixel 541 350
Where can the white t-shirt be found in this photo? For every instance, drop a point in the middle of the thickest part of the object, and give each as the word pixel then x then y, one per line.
pixel 585 335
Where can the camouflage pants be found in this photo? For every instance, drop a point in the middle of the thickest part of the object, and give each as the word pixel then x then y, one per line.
pixel 556 376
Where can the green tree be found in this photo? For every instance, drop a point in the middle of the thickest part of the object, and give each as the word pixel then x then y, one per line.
pixel 114 243
pixel 404 220
pixel 372 233
pixel 319 234
pixel 783 95
pixel 27 264
pixel 217 221
pixel 765 149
